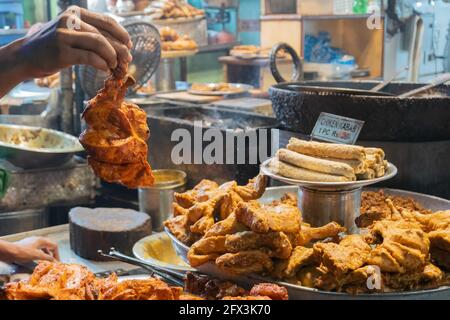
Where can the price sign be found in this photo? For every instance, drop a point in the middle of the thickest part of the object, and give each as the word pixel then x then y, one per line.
pixel 333 128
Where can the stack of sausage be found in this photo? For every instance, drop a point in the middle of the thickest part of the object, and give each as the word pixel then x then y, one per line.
pixel 328 162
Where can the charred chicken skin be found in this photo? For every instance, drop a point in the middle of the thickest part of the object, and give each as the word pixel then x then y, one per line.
pixel 116 134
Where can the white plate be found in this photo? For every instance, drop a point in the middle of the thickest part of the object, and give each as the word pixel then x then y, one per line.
pixel 142 251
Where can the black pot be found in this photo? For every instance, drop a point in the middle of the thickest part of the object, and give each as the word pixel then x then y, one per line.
pixel 387 118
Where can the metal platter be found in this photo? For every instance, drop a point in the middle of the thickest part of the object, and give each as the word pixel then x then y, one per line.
pixel 240 89
pixel 34 147
pixel 350 185
pixel 301 292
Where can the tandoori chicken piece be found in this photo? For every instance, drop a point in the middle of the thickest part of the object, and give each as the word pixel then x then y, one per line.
pixel 350 254
pixel 245 262
pixel 116 135
pixel 300 257
pixel 143 289
pixel 57 281
pixel 404 246
pixel 208 203
pixel 276 243
pixel 229 225
pixel 206 249
pixel 308 234
pixel 264 218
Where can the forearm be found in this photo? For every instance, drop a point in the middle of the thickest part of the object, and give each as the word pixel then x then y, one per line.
pixel 12 69
pixel 7 251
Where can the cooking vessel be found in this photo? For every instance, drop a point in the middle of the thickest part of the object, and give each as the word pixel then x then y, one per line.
pixel 387 118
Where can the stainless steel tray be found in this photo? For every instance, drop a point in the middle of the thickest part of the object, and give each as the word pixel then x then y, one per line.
pixel 299 292
pixel 34 147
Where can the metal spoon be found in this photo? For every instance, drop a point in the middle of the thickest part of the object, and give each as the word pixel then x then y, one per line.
pixel 437 81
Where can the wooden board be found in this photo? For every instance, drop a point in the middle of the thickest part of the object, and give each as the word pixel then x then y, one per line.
pixel 103 228
pixel 187 97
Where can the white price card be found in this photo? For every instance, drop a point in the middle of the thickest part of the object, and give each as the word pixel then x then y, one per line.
pixel 334 128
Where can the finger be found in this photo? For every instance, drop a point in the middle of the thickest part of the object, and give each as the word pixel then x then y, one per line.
pixel 123 53
pixel 41 255
pixel 49 247
pixel 86 57
pixel 108 24
pixel 92 42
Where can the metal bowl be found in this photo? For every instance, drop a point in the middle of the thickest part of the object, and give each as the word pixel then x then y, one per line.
pixel 34 147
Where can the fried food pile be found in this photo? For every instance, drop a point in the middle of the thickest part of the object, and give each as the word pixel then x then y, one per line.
pixel 166 9
pixel 197 210
pixel 116 135
pixel 405 247
pixel 328 162
pixel 172 41
pixel 59 281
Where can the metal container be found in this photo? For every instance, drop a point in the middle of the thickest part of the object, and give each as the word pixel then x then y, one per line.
pixel 34 147
pixel 25 220
pixel 157 200
pixel 71 184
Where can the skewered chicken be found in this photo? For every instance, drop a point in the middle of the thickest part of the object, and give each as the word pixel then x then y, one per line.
pixel 116 135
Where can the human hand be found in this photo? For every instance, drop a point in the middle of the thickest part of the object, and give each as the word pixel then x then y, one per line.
pixel 88 38
pixel 35 248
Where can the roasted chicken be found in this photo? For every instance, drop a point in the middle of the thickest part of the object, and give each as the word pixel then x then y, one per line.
pixel 116 134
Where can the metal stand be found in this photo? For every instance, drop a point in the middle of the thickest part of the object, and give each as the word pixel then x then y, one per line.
pixel 324 202
pixel 319 207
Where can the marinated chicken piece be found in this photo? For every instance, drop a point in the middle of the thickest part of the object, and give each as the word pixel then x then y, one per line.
pixel 289 199
pixel 206 249
pixel 309 234
pixel 270 290
pixel 200 193
pixel 245 262
pixel 254 189
pixel 430 276
pixel 55 281
pixel 145 289
pixel 237 194
pixel 264 218
pixel 227 226
pixel 116 134
pixel 276 243
pixel 300 257
pixel 179 227
pixel 350 254
pixel 404 246
pixel 207 202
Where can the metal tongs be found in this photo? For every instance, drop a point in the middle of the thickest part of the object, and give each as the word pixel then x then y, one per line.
pixel 170 276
